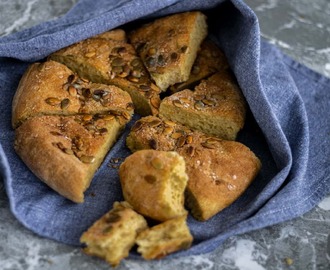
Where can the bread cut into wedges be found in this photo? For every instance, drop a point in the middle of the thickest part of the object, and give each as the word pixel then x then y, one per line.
pixel 65 151
pixel 112 61
pixel 51 88
pixel 113 235
pixel 219 171
pixel 168 46
pixel 153 182
pixel 216 107
pixel 165 238
pixel 210 59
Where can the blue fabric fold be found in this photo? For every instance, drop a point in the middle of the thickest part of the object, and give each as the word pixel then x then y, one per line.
pixel 288 125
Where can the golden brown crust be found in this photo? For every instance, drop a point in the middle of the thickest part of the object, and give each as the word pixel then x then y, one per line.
pixel 113 235
pixel 153 182
pixel 114 62
pixel 209 60
pixel 165 238
pixel 65 151
pixel 219 171
pixel 216 107
pixel 168 47
pixel 53 89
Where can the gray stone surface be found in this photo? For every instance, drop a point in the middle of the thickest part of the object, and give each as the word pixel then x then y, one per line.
pixel 301 28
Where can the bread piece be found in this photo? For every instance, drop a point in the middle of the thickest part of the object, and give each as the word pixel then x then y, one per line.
pixel 210 59
pixel 116 34
pixel 165 238
pixel 113 235
pixel 168 46
pixel 65 151
pixel 153 182
pixel 50 88
pixel 219 171
pixel 216 107
pixel 115 62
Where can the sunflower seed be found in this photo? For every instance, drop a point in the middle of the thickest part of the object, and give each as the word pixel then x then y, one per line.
pixel 168 130
pixel 181 141
pixel 155 102
pixel 144 87
pixel 72 91
pixel 155 123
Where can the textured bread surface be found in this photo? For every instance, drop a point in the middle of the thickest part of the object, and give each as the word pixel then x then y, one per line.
pixel 153 182
pixel 216 107
pixel 50 88
pixel 168 46
pixel 165 238
pixel 219 171
pixel 115 62
pixel 114 234
pixel 65 151
pixel 209 60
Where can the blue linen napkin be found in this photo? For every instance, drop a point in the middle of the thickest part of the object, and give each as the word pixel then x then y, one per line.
pixel 288 126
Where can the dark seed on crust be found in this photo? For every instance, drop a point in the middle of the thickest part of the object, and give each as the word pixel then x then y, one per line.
pixel 65 103
pixel 153 144
pixel 136 126
pixel 150 178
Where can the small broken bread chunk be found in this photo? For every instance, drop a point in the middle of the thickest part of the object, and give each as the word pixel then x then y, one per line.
pixel 50 88
pixel 113 235
pixel 65 151
pixel 153 182
pixel 112 61
pixel 219 171
pixel 216 107
pixel 210 59
pixel 165 238
pixel 168 46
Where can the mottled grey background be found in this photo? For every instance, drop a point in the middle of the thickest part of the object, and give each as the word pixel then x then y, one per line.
pixel 301 28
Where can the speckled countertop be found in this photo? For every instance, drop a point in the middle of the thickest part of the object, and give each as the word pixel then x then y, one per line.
pixel 301 28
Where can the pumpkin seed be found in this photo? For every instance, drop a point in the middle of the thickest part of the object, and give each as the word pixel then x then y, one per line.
pixel 168 130
pixel 199 105
pixel 65 103
pixel 90 54
pixel 53 101
pixel 155 123
pixel 118 61
pixel 72 91
pixel 137 126
pixel 181 141
pixel 157 163
pixel 155 102
pixel 153 144
pixel 177 103
pixel 144 87
pixel 87 159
